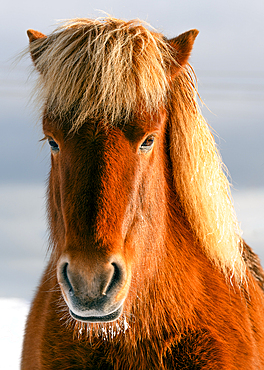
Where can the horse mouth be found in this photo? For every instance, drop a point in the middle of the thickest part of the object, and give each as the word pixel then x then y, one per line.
pixel 99 319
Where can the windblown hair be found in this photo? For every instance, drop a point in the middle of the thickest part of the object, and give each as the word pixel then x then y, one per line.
pixel 200 181
pixel 102 69
pixel 105 70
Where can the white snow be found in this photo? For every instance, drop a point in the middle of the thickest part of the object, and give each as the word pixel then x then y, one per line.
pixel 13 314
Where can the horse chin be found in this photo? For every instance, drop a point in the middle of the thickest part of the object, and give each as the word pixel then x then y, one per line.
pixel 99 319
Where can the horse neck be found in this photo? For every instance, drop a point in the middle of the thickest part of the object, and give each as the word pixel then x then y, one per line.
pixel 166 302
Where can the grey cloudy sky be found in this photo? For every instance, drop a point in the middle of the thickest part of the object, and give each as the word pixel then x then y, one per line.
pixel 231 30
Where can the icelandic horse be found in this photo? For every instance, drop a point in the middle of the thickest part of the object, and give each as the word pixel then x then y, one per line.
pixel 147 267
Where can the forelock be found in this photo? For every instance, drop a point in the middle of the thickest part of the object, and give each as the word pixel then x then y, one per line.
pixel 102 69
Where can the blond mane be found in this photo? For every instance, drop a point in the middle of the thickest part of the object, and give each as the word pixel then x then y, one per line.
pixel 200 180
pixel 103 70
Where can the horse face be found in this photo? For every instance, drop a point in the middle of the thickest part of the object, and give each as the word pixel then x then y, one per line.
pixel 106 208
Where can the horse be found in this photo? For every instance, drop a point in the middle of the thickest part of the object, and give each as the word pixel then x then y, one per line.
pixel 147 266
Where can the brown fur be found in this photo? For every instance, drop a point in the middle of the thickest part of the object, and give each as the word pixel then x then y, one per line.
pixel 192 297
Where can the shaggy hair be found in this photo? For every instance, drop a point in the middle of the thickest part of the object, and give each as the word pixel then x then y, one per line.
pixel 200 181
pixel 102 69
pixel 105 69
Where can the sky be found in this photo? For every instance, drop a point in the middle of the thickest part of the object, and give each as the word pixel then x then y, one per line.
pixel 228 58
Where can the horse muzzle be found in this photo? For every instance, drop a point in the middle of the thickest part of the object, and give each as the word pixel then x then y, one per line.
pixel 94 292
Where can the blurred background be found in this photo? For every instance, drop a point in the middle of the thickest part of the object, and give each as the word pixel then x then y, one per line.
pixel 228 58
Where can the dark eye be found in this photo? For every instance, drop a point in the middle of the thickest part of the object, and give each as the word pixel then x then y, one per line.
pixel 147 145
pixel 53 146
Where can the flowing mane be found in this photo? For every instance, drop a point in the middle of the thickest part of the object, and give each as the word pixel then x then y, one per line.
pixel 200 181
pixel 104 70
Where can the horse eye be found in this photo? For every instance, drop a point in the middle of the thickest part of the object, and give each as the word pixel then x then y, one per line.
pixel 147 145
pixel 53 146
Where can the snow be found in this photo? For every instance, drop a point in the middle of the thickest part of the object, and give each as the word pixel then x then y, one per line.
pixel 13 314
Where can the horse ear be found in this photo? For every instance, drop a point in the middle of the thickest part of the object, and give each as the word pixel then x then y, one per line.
pixel 33 36
pixel 182 45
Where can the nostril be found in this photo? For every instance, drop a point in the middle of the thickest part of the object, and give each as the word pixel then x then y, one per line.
pixel 65 277
pixel 116 278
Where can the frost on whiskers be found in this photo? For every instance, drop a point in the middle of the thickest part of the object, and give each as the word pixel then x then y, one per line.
pixel 106 331
pixel 88 331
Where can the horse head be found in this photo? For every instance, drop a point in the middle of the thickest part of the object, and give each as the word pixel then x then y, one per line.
pixel 107 187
